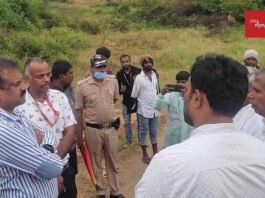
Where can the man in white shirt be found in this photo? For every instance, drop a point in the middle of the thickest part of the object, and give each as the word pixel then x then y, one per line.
pixel 256 98
pixel 247 119
pixel 145 89
pixel 251 58
pixel 217 160
pixel 49 109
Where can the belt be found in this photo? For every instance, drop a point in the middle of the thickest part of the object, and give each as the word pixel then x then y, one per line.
pixel 100 126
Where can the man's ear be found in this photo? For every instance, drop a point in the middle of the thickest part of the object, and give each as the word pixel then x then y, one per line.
pixel 197 98
pixel 26 78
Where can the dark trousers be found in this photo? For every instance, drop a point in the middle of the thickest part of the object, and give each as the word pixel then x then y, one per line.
pixel 68 175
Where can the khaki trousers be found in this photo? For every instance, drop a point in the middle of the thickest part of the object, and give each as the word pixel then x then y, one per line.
pixel 106 141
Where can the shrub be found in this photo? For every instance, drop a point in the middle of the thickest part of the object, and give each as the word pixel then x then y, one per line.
pixel 172 13
pixel 207 6
pixel 53 44
pixel 20 14
pixel 228 7
pixel 90 27
pixel 237 8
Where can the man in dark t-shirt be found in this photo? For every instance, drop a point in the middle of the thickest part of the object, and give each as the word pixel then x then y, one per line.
pixel 125 78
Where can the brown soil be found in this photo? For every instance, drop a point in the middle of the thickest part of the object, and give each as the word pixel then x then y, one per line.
pixel 131 167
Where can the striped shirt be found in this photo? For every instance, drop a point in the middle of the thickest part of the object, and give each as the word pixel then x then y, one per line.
pixel 27 169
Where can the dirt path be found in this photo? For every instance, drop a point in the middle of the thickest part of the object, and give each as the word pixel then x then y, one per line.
pixel 131 167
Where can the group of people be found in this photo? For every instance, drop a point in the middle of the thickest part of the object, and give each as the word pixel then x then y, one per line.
pixel 41 121
pixel 224 155
pixel 37 133
pixel 214 142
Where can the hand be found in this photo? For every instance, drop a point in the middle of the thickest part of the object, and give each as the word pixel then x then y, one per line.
pixel 123 88
pixel 39 135
pixel 80 140
pixel 61 187
pixel 165 90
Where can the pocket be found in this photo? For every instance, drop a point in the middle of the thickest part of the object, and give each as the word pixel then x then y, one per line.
pixel 91 99
pixel 110 95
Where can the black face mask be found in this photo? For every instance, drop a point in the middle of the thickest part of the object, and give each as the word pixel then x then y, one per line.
pixel 147 68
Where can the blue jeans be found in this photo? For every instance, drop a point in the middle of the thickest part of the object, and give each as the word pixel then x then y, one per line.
pixel 127 123
pixel 145 125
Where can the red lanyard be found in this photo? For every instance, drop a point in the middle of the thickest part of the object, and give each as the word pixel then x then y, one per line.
pixel 55 113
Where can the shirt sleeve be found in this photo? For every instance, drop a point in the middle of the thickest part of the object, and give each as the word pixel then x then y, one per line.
pixel 20 150
pixel 69 118
pixel 136 87
pixel 116 91
pixel 119 82
pixel 79 102
pixel 161 102
pixel 48 137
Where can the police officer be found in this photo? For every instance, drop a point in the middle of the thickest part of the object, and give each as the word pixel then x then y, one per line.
pixel 95 98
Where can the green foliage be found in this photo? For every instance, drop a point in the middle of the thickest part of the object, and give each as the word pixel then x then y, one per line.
pixel 20 14
pixel 207 6
pixel 234 8
pixel 74 30
pixel 237 8
pixel 53 44
pixel 172 13
pixel 123 9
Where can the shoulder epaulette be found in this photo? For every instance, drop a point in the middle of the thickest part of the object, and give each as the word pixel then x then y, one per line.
pixel 112 76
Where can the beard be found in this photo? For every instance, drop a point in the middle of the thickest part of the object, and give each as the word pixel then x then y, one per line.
pixel 187 118
pixel 147 68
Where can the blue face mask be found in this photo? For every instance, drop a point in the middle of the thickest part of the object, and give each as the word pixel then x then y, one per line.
pixel 100 75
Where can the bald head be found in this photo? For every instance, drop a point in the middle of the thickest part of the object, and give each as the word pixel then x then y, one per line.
pixel 38 74
pixel 31 61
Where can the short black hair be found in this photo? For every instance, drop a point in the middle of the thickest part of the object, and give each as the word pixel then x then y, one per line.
pixel 223 80
pixel 104 51
pixel 6 64
pixel 60 67
pixel 182 75
pixel 124 56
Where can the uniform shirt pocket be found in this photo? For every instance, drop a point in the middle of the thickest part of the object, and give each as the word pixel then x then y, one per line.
pixel 110 94
pixel 90 99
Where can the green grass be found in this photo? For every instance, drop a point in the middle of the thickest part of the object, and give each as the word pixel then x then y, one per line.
pixel 173 49
pixel 75 29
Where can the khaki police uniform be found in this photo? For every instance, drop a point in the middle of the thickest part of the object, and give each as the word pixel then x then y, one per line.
pixel 97 102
